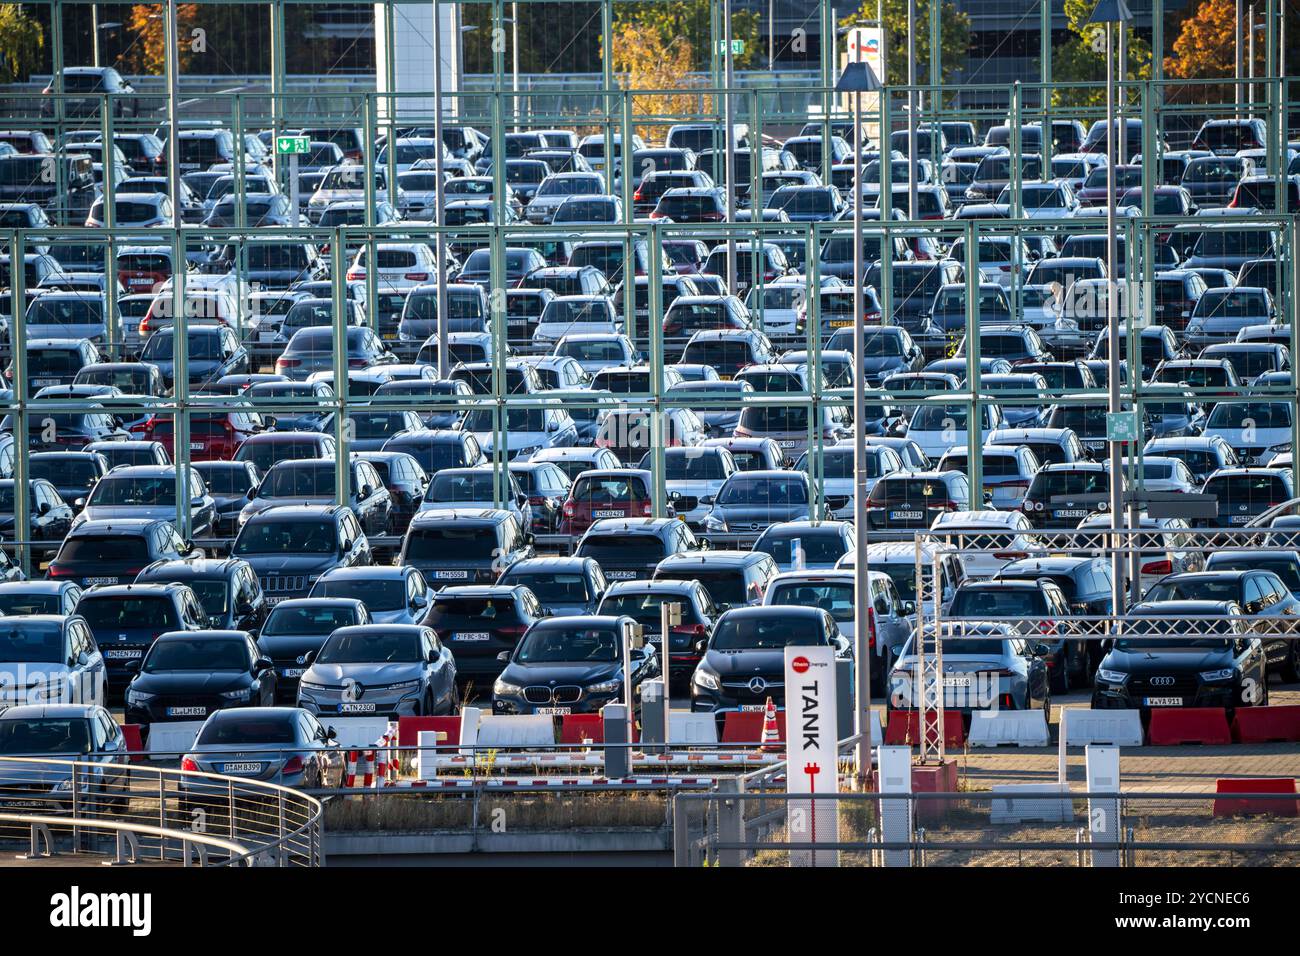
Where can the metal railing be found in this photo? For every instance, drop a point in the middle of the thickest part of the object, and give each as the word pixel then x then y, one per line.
pixel 155 813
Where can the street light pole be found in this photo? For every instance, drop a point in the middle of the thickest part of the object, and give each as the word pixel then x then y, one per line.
pixel 440 241
pixel 857 78
pixel 911 112
pixel 1108 13
pixel 729 145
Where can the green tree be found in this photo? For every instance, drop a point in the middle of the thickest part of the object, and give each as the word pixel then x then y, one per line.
pixel 1082 59
pixel 954 37
pixel 673 20
pixel 21 43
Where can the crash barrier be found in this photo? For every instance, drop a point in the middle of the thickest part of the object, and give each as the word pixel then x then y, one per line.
pixel 446 729
pixel 1236 806
pixel 134 741
pixel 376 765
pixel 169 815
pixel 1188 725
pixel 1020 728
pixel 1041 826
pixel 903 728
pixel 1262 725
pixel 746 726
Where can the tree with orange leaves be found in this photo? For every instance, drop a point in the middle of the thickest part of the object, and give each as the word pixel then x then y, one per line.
pixel 1205 47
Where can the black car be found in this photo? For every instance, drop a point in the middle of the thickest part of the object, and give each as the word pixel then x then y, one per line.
pixel 1183 654
pixel 1271 611
pixel 1038 609
pixel 49 516
pixel 298 626
pixel 628 548
pixel 1061 495
pixel 114 551
pixel 464 546
pixel 126 619
pixel 905 502
pixel 572 665
pixel 1084 581
pixel 547 488
pixel 562 585
pixel 479 624
pixel 744 662
pixel 229 483
pixel 291 546
pixel 187 675
pixel 643 601
pixel 227 588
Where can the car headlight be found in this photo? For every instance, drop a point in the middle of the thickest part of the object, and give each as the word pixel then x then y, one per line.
pixel 401 686
pixel 62 786
pixel 506 689
pixel 1279 449
pixel 606 687
pixel 1225 673
pixel 714 523
pixel 242 694
pixel 1112 677
pixel 138 697
pixel 706 679
pixel 307 685
pixel 529 450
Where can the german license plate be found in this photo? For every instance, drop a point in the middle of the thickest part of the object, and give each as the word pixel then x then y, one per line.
pixel 389 336
pixel 1071 513
pixel 273 599
pixel 122 654
pixel 101 580
pixel 753 707
pixel 841 323
pixel 1238 519
pixel 906 515
pixel 45 381
pixel 958 681
pixel 291 671
pixel 357 707
pixel 555 711
pixel 196 446
pixel 187 711
pixel 1164 701
pixel 609 513
pixel 243 767
pixel 452 575
pixel 471 636
pixel 788 443
pixel 620 575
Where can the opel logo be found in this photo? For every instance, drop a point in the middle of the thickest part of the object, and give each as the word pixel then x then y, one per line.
pixel 754 526
pixel 757 685
pixel 1162 682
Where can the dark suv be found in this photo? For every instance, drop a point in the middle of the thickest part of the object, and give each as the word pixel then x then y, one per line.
pixel 116 550
pixel 1036 609
pixel 464 545
pixel 903 503
pixel 291 546
pixel 126 618
pixel 642 601
pixel 481 623
pixel 299 626
pixel 1085 582
pixel 1074 484
pixel 227 588
pixel 628 548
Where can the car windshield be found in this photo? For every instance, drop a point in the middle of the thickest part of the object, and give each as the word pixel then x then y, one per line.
pixel 65 471
pixel 514 420
pixel 767 632
pixel 377 594
pixel 32 644
pixel 473 542
pixel 384 647
pixel 554 645
pixel 130 491
pixel 123 611
pixel 112 549
pixel 457 613
pixel 298 481
pixel 287 621
pixel 763 491
pixel 1196 589
pixel 996 602
pixel 14 603
pixel 1258 415
pixel 44 735
pixel 1176 631
pixel 197 654
pixel 622 549
pixel 835 597
pixel 287 537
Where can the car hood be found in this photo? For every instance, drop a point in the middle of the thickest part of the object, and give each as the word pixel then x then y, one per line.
pixel 290 646
pixel 190 682
pixel 289 563
pixel 746 663
pixel 367 675
pixel 1167 660
pixel 577 672
pixel 760 515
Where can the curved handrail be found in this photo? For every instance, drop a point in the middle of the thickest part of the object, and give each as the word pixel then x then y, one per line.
pixel 238 852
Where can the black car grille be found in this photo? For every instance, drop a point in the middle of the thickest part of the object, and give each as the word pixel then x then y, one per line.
pixel 567 695
pixel 1182 686
pixel 743 693
pixel 537 694
pixel 283 582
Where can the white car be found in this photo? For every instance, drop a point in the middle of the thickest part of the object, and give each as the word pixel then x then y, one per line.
pixel 569 314
pixel 399 266
pixel 938 427
pixel 690 476
pixel 988 539
pixel 597 350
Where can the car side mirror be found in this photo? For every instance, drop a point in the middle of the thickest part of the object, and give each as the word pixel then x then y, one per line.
pixel 43 508
pixel 262 664
pixel 706 500
pixel 1041 650
pixel 132 667
pixel 504 657
pixel 907 608
pixel 331 733
pixel 364 493
pixel 309 658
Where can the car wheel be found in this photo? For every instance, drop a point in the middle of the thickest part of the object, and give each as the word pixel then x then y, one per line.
pixel 1059 681
pixel 1291 664
pixel 426 705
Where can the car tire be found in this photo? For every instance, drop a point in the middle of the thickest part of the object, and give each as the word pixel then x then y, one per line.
pixel 1291 664
pixel 426 704
pixel 1059 679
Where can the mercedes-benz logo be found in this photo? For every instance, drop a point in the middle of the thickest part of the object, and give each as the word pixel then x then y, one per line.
pixel 757 685
pixel 1162 682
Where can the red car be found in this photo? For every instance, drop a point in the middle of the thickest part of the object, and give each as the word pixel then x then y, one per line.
pixel 214 436
pixel 606 493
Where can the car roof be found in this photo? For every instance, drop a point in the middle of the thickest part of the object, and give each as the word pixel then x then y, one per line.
pixel 704 559
pixel 39 711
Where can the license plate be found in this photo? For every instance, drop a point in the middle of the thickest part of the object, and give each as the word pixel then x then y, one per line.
pixel 1164 702
pixel 357 707
pixel 291 671
pixel 471 636
pixel 122 654
pixel 555 711
pixel 788 443
pixel 273 599
pixel 243 768
pixel 196 446
pixel 45 381
pixel 1071 513
pixel 750 708
pixel 139 280
pixel 841 324
pixel 452 575
pixel 620 575
pixel 187 711
pixel 906 515
pixel 389 336
pixel 101 580
pixel 609 514
pixel 957 681
pixel 1238 519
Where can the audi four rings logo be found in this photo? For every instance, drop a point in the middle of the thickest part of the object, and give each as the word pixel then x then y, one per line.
pixel 757 685
pixel 1161 681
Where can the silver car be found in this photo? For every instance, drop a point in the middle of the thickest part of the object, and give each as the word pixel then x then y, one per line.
pixel 391 595
pixel 380 669
pixel 283 745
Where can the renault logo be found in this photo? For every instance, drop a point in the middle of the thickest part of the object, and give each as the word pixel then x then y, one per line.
pixel 1162 682
pixel 757 685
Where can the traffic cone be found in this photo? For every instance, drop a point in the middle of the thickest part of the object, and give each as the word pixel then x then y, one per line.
pixel 771 741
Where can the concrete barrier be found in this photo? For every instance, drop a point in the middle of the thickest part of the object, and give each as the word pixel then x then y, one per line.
pixel 517 730
pixel 1081 726
pixel 168 739
pixel 1021 728
pixel 357 731
pixel 1026 802
pixel 693 730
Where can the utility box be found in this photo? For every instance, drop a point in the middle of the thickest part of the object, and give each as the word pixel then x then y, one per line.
pixel 617 753
pixel 654 716
pixel 843 699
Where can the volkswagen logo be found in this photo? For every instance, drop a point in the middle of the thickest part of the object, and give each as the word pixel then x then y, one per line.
pixel 1162 682
pixel 757 685
pixel 300 659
